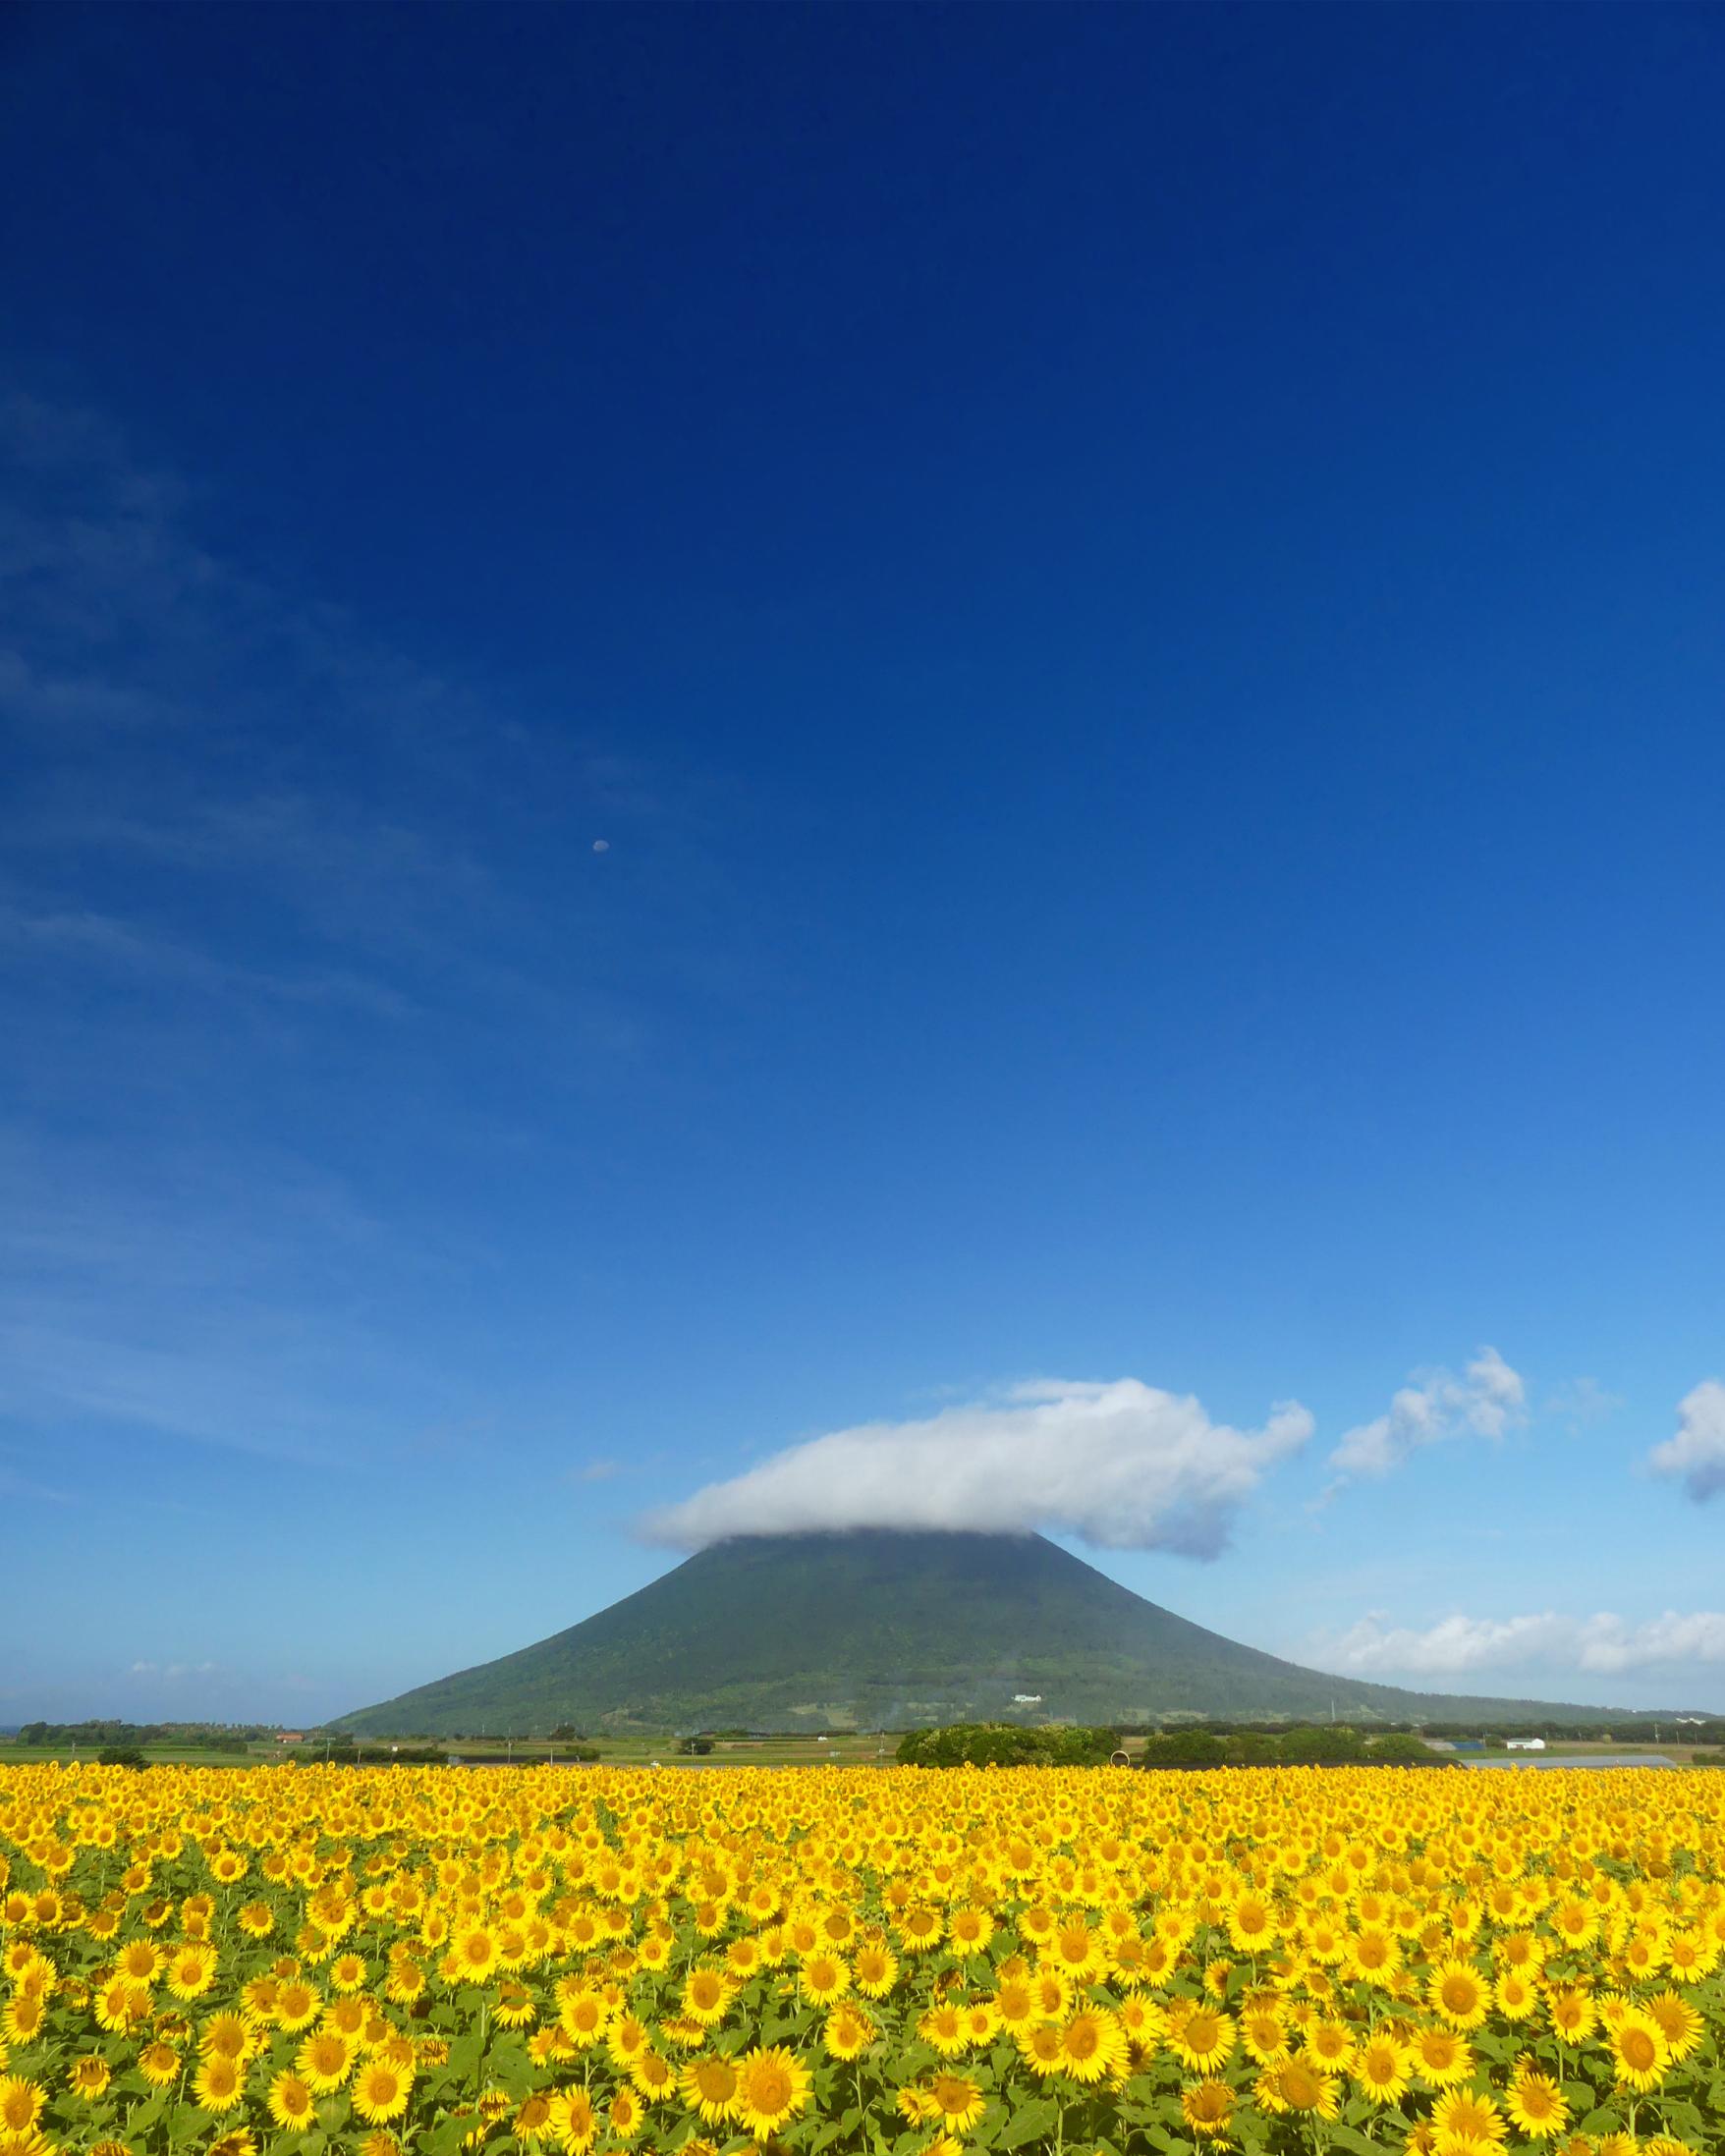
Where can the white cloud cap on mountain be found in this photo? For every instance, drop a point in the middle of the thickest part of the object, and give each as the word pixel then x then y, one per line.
pixel 1120 1463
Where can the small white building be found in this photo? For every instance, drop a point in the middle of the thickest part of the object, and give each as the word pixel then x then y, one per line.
pixel 1027 1698
pixel 1524 1743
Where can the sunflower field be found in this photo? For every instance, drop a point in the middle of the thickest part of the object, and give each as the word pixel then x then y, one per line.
pixel 897 1962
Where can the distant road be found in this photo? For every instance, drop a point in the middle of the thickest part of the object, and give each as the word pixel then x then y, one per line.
pixel 1577 1759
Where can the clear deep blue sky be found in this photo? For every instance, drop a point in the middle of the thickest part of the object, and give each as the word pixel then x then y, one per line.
pixel 1135 597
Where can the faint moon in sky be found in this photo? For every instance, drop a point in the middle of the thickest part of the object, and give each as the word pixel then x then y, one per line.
pixel 601 845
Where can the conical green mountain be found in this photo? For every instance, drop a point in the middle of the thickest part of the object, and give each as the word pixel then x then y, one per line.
pixel 883 1629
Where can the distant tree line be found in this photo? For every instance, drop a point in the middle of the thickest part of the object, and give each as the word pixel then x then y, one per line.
pixel 119 1735
pixel 1321 1746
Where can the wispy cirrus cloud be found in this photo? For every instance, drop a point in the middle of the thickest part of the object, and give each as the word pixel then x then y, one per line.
pixel 1582 1404
pixel 211 746
pixel 132 954
pixel 264 877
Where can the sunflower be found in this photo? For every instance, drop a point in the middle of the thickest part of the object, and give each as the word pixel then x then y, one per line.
pixel 1536 2105
pixel 26 2012
pixel 970 1930
pixel 582 2015
pixel 120 2005
pixel 473 1954
pixel 1573 2014
pixel 574 2121
pixel 1207 2107
pixel 1040 2048
pixel 1264 2034
pixel 1092 2045
pixel 1295 2084
pixel 707 1993
pixel 90 2076
pixel 1144 2024
pixel 652 2075
pixel 1381 2068
pixel 914 2105
pixel 325 2058
pixel 625 2039
pixel 532 2122
pixel 381 2090
pixel 228 2034
pixel 1374 1954
pixel 351 2016
pixel 191 1970
pixel 708 2084
pixel 1015 2002
pixel 219 2082
pixel 1442 2057
pixel 874 1968
pixel 823 1978
pixel 1678 2023
pixel 21 2104
pixel 1518 1999
pixel 1458 1991
pixel 1641 2057
pixel 1251 1921
pixel 942 2028
pixel 292 2104
pixel 1689 1955
pixel 1203 2038
pixel 138 1962
pixel 919 1929
pixel 406 1979
pixel 297 2004
pixel 1643 1953
pixel 625 2115
pixel 1331 2043
pixel 1076 1952
pixel 772 2086
pixel 1461 2120
pixel 848 2034
pixel 159 2064
pixel 955 2101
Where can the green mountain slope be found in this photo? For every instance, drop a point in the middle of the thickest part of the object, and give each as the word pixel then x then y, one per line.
pixel 884 1629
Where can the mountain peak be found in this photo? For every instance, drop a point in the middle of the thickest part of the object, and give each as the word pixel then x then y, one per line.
pixel 884 1627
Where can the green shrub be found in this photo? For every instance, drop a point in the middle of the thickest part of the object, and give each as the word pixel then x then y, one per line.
pixel 1005 1744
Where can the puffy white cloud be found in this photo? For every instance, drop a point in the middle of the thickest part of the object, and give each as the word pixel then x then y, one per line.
pixel 1608 1643
pixel 1457 1645
pixel 1485 1401
pixel 1697 1454
pixel 1121 1464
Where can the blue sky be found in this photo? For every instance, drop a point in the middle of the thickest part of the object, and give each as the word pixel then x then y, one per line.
pixel 727 726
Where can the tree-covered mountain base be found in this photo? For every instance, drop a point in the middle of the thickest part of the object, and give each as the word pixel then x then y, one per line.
pixel 879 1630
